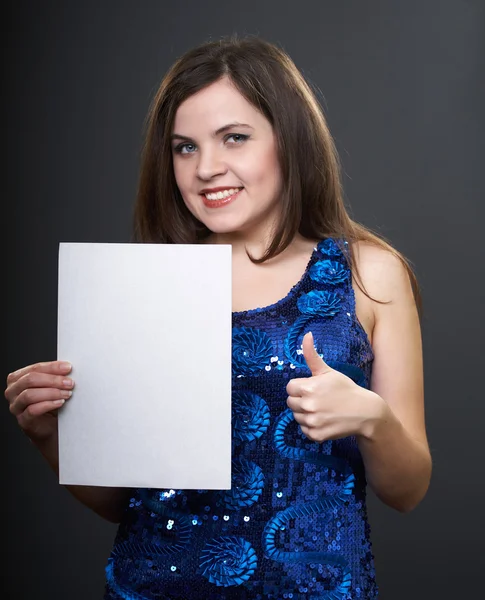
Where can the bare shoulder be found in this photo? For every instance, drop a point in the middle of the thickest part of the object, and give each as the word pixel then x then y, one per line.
pixel 383 274
pixel 385 278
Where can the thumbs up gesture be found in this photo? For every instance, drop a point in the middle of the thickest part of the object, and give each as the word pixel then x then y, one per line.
pixel 328 405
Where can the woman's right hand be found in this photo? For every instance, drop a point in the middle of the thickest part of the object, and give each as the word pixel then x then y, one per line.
pixel 35 394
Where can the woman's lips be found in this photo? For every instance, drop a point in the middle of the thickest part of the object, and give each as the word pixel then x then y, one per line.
pixel 222 201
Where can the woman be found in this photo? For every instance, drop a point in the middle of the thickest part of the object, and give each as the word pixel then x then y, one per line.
pixel 327 357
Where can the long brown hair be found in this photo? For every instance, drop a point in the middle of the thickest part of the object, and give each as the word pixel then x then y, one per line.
pixel 312 197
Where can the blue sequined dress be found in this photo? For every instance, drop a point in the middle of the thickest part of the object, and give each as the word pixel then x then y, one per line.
pixel 294 523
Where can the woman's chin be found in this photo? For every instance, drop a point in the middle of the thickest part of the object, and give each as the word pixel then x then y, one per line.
pixel 223 225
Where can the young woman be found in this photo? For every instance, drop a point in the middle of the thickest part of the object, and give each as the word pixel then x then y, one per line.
pixel 327 357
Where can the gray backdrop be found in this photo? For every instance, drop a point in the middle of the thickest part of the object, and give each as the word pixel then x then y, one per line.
pixel 404 93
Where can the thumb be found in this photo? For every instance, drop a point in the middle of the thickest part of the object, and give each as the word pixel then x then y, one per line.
pixel 315 363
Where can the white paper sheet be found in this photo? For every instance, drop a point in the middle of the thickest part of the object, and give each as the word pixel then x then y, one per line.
pixel 147 328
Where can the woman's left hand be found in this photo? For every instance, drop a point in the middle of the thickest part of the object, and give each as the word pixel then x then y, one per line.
pixel 329 405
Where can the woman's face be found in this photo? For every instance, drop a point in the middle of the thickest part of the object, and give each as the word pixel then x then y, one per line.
pixel 225 161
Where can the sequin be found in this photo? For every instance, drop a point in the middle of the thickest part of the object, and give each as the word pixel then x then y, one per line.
pixel 299 506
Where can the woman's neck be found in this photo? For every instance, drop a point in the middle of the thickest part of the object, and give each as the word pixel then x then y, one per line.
pixel 255 245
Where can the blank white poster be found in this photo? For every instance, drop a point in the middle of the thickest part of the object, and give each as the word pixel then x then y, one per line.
pixel 147 328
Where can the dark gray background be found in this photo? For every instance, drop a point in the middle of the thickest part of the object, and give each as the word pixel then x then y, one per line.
pixel 404 93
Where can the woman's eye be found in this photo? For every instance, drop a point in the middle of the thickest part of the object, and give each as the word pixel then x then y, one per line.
pixel 239 137
pixel 185 148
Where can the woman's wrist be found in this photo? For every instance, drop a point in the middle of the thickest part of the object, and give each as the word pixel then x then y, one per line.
pixel 377 416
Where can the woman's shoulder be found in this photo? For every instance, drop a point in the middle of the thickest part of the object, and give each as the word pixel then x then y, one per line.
pixel 382 271
pixel 385 278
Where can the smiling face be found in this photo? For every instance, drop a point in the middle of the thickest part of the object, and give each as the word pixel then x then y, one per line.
pixel 225 162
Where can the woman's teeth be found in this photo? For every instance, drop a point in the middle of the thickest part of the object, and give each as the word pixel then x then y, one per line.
pixel 221 195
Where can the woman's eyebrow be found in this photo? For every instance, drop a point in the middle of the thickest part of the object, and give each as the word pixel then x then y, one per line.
pixel 222 129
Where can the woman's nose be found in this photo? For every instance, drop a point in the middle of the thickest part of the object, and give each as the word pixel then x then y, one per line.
pixel 210 165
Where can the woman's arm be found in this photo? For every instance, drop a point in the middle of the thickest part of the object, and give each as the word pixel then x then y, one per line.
pixel 393 444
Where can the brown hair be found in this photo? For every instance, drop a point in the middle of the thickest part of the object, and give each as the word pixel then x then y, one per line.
pixel 312 200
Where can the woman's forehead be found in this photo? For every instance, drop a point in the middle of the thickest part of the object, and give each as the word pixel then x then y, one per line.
pixel 213 107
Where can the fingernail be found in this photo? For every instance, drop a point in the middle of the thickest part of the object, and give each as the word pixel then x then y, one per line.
pixel 65 365
pixel 58 402
pixel 68 382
